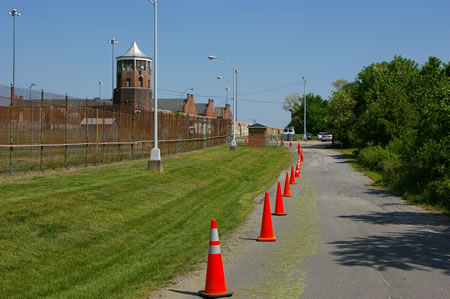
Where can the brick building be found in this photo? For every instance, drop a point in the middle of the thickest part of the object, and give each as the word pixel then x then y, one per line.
pixel 134 70
pixel 224 112
pixel 207 109
pixel 179 105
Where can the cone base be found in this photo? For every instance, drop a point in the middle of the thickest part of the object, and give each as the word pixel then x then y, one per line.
pixel 287 195
pixel 279 214
pixel 207 295
pixel 260 239
pixel 293 183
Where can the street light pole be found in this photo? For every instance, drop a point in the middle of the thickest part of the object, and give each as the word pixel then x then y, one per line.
pixel 100 90
pixel 113 42
pixel 32 119
pixel 304 109
pixel 234 69
pixel 226 88
pixel 155 162
pixel 14 13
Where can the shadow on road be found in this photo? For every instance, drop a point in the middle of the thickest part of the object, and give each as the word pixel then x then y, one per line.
pixel 379 192
pixel 406 251
pixel 427 246
pixel 185 292
pixel 403 218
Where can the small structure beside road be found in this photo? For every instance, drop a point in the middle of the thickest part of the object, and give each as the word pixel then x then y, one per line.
pixel 257 135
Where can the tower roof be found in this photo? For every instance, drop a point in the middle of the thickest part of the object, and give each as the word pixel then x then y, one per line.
pixel 133 53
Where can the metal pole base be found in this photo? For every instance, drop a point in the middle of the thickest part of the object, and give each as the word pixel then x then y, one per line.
pixel 233 146
pixel 155 165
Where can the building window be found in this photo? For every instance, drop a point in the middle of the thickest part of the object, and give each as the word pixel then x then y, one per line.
pixel 128 82
pixel 124 68
pixel 141 82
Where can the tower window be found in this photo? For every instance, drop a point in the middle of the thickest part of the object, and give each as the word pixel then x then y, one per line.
pixel 124 68
pixel 128 82
pixel 141 82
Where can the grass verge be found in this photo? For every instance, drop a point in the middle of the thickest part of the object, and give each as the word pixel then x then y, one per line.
pixel 119 230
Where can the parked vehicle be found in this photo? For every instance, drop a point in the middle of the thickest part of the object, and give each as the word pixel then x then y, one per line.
pixel 319 136
pixel 308 136
pixel 327 137
pixel 289 134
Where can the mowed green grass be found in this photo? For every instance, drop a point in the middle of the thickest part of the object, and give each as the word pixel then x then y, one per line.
pixel 120 230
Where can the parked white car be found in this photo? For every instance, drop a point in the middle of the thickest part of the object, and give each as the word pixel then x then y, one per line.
pixel 326 137
pixel 319 136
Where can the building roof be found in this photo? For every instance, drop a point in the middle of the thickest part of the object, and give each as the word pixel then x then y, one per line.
pixel 257 126
pixel 171 104
pixel 201 109
pixel 133 52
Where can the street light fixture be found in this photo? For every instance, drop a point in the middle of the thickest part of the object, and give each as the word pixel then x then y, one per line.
pixel 14 13
pixel 304 111
pixel 235 71
pixel 100 90
pixel 184 91
pixel 113 42
pixel 31 86
pixel 155 162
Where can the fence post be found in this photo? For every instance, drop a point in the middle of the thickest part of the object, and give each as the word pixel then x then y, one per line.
pixel 50 117
pixel 103 133
pixel 87 122
pixel 142 133
pixel 65 131
pixel 96 137
pixel 41 137
pixel 32 127
pixel 119 127
pixel 131 134
pixel 10 129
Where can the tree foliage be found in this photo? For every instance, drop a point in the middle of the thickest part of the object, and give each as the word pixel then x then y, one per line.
pixel 315 112
pixel 399 115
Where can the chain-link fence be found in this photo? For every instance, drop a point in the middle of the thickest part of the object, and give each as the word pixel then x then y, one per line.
pixel 48 134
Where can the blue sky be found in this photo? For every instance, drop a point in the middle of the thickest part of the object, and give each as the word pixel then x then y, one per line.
pixel 62 45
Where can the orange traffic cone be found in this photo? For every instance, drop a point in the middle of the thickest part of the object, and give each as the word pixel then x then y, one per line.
pixel 299 148
pixel 297 172
pixel 246 140
pixel 287 188
pixel 266 234
pixel 290 143
pixel 279 207
pixel 215 278
pixel 302 157
pixel 292 182
pixel 282 142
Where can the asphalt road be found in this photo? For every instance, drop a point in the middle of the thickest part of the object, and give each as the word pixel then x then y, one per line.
pixel 342 238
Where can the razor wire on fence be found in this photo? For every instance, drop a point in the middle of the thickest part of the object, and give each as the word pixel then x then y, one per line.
pixel 48 134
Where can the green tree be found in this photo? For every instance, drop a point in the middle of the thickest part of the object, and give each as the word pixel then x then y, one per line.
pixel 315 112
pixel 383 108
pixel 340 114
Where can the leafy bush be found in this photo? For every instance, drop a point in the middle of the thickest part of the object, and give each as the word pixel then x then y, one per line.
pixel 372 157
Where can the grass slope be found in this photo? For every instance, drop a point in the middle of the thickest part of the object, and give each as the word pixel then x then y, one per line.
pixel 119 230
